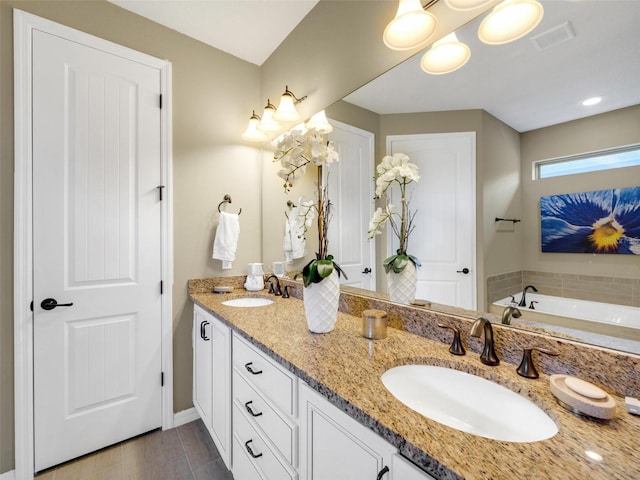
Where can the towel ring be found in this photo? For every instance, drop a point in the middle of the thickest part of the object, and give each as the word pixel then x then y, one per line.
pixel 227 199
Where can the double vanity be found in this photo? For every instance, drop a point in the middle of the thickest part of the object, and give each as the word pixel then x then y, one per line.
pixel 283 403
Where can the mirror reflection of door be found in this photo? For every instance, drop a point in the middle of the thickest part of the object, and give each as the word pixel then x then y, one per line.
pixel 351 193
pixel 444 199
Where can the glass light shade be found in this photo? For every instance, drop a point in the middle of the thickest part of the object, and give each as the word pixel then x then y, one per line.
pixel 446 56
pixel 286 110
pixel 411 27
pixel 268 124
pixel 319 122
pixel 252 133
pixel 509 21
pixel 466 4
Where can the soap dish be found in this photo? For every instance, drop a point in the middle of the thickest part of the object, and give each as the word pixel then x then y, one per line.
pixel 222 289
pixel 582 398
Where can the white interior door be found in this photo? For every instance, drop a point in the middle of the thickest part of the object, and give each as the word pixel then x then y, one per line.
pixel 444 238
pixel 351 192
pixel 96 247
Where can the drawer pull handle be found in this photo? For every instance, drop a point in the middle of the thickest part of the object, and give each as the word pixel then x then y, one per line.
pixel 254 455
pixel 250 410
pixel 251 370
pixel 203 333
pixel 382 472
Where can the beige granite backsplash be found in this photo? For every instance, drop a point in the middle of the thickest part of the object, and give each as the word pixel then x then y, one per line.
pixel 617 372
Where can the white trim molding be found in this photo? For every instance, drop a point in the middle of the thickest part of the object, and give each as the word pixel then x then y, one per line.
pixel 24 25
pixel 185 416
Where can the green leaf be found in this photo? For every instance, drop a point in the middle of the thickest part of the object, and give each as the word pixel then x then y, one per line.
pixel 388 263
pixel 309 272
pixel 323 269
pixel 400 263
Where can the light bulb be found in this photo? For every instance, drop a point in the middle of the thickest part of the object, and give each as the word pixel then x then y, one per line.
pixel 411 27
pixel 447 55
pixel 509 21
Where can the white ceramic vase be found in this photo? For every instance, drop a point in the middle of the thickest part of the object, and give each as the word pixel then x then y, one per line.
pixel 321 304
pixel 402 286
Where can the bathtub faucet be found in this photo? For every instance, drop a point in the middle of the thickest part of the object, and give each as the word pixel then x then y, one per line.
pixel 509 312
pixel 523 300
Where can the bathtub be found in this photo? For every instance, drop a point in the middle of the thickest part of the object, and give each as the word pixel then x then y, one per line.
pixel 580 315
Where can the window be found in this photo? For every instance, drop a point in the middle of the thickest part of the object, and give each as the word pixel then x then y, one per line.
pixel 589 162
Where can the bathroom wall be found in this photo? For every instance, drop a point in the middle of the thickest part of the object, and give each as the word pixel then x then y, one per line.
pixel 213 94
pixel 613 129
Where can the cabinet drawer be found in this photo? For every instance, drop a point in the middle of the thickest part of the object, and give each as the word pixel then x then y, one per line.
pixel 271 380
pixel 278 429
pixel 253 446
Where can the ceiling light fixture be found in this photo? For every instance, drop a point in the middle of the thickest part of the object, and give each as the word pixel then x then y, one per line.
pixel 592 101
pixel 319 122
pixel 252 133
pixel 445 56
pixel 509 21
pixel 411 27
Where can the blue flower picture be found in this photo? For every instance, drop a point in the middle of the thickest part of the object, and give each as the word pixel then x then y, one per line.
pixel 604 221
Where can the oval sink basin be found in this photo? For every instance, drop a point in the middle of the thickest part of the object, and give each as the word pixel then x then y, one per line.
pixel 469 403
pixel 248 302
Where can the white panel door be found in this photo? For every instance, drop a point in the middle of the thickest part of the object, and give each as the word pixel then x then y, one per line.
pixel 96 240
pixel 444 238
pixel 351 192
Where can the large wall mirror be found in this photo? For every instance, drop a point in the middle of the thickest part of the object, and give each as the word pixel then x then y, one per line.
pixel 523 101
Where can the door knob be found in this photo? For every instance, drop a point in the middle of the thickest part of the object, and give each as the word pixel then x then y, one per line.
pixel 465 270
pixel 51 303
pixel 366 270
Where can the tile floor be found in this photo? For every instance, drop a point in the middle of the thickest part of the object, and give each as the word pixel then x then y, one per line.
pixel 183 453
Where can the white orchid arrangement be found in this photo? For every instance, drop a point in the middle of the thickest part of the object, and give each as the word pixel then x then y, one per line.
pixel 392 169
pixel 295 150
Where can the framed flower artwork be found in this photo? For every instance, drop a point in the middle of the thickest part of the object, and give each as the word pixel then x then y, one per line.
pixel 602 221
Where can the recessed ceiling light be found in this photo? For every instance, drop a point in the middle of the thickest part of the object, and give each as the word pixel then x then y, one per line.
pixel 592 101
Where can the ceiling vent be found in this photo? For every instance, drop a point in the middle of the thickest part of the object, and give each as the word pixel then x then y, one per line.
pixel 554 36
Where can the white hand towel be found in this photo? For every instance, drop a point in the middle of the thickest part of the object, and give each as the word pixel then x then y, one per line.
pixel 226 241
pixel 294 242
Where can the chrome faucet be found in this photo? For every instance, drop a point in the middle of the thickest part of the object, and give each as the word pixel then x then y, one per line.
pixel 523 300
pixel 276 290
pixel 488 355
pixel 509 312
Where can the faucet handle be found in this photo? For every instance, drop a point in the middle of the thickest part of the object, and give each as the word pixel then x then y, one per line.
pixel 527 368
pixel 285 293
pixel 456 347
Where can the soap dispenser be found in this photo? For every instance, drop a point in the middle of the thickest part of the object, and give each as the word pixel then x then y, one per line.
pixel 255 277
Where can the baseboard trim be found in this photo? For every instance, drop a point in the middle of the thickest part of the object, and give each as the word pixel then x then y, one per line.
pixel 10 475
pixel 179 418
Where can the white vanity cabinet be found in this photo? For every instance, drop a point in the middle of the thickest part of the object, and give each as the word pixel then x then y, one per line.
pixel 265 430
pixel 212 378
pixel 336 447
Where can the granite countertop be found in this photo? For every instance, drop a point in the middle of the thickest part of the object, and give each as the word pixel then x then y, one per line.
pixel 346 367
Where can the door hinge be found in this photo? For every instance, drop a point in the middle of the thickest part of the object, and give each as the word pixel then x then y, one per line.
pixel 160 189
pixel 161 287
pixel 162 379
pixel 160 101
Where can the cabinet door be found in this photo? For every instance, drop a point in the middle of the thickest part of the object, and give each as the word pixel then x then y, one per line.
pixel 336 447
pixel 202 382
pixel 404 470
pixel 221 386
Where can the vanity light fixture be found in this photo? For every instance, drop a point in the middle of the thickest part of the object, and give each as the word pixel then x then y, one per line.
pixel 252 133
pixel 319 122
pixel 445 56
pixel 466 4
pixel 268 123
pixel 287 109
pixel 509 21
pixel 411 27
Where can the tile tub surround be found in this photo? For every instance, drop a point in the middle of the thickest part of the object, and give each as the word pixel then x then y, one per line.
pixel 345 368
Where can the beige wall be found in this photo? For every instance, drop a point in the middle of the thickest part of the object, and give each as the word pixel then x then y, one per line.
pixel 213 94
pixel 621 127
